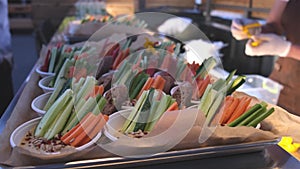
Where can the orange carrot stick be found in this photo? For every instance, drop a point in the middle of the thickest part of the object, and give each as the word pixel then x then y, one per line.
pixel 173 107
pixel 158 79
pixel 146 86
pixel 240 109
pixel 228 108
pixel 91 131
pixel 80 129
pixel 118 60
pixel 203 86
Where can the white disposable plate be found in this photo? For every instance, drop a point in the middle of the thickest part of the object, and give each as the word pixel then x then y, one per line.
pixel 19 133
pixel 44 84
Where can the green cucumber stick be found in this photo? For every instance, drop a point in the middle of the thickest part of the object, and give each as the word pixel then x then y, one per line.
pixel 245 115
pixel 219 84
pixel 100 105
pixel 138 88
pixel 260 118
pixel 52 113
pixel 64 70
pixel 229 77
pixel 215 107
pixel 134 111
pixel 55 94
pixel 78 85
pixel 49 129
pixel 61 122
pixel 204 97
pixel 52 59
pixel 80 112
pixel 162 107
pixel 60 60
pixel 254 115
pixel 86 88
pixel 236 84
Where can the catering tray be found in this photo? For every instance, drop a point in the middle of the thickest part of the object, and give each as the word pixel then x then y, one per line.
pixel 244 155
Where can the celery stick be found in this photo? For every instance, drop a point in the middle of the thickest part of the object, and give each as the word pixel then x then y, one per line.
pixel 55 93
pixel 99 107
pixel 134 111
pixel 162 107
pixel 52 113
pixel 88 106
pixel 153 109
pixel 260 118
pixel 60 123
pixel 245 115
pixel 254 115
pixel 87 87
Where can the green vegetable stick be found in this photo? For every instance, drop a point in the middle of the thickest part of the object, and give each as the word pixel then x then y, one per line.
pixel 260 118
pixel 52 59
pixel 215 107
pixel 253 116
pixel 87 87
pixel 162 107
pixel 88 106
pixel 245 115
pixel 52 113
pixel 153 109
pixel 229 77
pixel 134 111
pixel 55 93
pixel 64 70
pixel 60 123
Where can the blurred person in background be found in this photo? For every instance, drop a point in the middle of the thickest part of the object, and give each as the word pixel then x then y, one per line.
pixel 6 90
pixel 279 37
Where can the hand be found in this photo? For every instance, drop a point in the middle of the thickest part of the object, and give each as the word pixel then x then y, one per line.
pixel 270 44
pixel 174 25
pixel 237 28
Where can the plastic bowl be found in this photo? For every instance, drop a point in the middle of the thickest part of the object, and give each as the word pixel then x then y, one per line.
pixel 44 84
pixel 115 122
pixel 19 133
pixel 39 102
pixel 42 73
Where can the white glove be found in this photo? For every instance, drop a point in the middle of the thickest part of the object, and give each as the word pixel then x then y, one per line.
pixel 270 44
pixel 237 28
pixel 174 26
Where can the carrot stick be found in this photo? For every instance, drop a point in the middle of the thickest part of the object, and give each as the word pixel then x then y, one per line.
pixel 173 107
pixel 146 86
pixel 84 133
pixel 95 131
pixel 229 112
pixel 240 109
pixel 79 74
pixel 98 90
pixel 82 125
pixel 228 103
pixel 117 60
pixel 91 131
pixel 165 63
pixel 162 84
pixel 75 127
pixel 203 86
pixel 158 79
